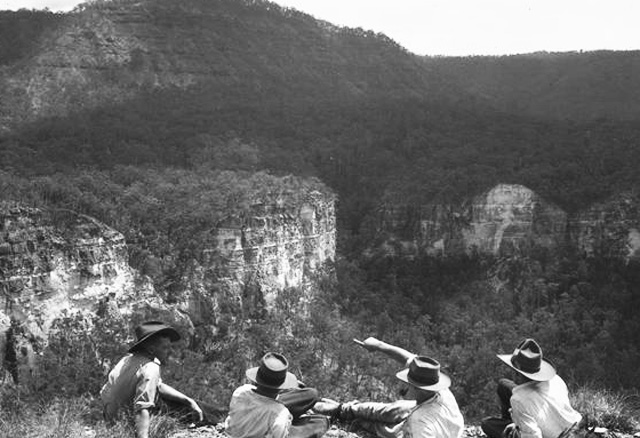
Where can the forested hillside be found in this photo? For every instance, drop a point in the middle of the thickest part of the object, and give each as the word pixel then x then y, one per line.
pixel 561 86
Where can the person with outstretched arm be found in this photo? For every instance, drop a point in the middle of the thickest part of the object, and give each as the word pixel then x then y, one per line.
pixel 428 410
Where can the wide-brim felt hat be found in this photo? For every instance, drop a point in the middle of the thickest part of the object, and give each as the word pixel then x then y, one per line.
pixel 424 373
pixel 272 373
pixel 527 360
pixel 149 329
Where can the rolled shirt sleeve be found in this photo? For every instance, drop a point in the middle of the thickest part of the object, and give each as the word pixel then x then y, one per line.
pixel 147 382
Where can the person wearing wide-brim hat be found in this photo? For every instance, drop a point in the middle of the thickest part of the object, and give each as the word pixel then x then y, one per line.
pixel 537 403
pixel 135 385
pixel 274 404
pixel 429 409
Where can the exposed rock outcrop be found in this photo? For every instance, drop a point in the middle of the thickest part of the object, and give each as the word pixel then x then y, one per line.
pixel 55 263
pixel 509 219
pixel 250 259
pixel 59 263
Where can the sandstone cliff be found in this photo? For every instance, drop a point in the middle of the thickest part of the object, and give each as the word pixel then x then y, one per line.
pixel 508 219
pixel 250 258
pixel 55 264
pixel 52 264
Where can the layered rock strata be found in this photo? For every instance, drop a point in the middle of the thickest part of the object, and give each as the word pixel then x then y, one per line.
pixel 55 264
pixel 251 258
pixel 510 219
pixel 58 263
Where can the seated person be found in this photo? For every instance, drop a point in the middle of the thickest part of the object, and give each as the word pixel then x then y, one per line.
pixel 536 404
pixel 274 404
pixel 135 383
pixel 429 409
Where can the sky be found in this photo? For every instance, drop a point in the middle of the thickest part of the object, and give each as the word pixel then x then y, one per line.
pixel 468 27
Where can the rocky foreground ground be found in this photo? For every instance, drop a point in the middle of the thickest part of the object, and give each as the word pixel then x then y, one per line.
pixel 334 432
pixel 345 432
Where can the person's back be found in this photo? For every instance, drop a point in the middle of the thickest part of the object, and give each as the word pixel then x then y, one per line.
pixel 252 415
pixel 123 388
pixel 438 417
pixel 536 403
pixel 273 405
pixel 543 408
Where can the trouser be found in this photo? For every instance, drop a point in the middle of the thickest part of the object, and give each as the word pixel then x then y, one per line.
pixel 298 401
pixel 494 427
pixel 383 419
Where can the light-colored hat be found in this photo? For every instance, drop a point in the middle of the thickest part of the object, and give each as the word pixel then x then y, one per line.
pixel 424 373
pixel 527 360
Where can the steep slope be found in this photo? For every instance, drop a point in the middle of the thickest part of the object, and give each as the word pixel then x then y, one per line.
pixel 109 51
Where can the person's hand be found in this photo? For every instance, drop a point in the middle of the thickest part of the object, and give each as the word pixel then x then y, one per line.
pixel 511 431
pixel 371 344
pixel 195 408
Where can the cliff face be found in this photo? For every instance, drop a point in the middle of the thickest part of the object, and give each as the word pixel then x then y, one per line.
pixel 250 259
pixel 509 219
pixel 56 264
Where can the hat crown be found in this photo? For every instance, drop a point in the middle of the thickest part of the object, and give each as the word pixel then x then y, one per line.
pixel 527 356
pixel 149 327
pixel 272 370
pixel 424 371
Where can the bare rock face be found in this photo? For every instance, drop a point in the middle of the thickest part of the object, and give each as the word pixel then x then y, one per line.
pixel 251 259
pixel 506 219
pixel 511 218
pixel 55 264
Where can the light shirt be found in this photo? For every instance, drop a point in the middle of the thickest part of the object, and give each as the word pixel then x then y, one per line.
pixel 132 383
pixel 252 415
pixel 542 409
pixel 438 417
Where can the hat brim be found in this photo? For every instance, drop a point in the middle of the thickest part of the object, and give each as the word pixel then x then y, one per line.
pixel 290 381
pixel 444 381
pixel 547 370
pixel 169 332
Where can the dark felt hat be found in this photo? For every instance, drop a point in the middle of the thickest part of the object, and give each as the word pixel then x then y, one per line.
pixel 527 360
pixel 424 373
pixel 272 373
pixel 149 329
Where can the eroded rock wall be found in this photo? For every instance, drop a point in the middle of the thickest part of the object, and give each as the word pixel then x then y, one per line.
pixel 55 264
pixel 58 263
pixel 250 259
pixel 509 219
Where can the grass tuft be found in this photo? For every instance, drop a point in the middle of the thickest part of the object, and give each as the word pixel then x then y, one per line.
pixel 605 408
